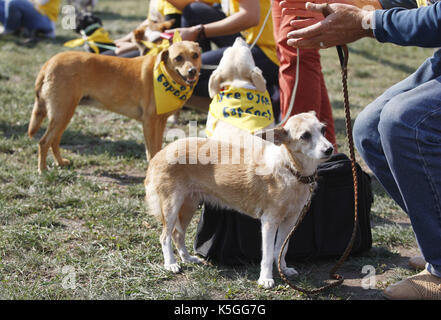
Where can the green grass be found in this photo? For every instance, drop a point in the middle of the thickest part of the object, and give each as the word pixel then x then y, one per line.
pixel 91 216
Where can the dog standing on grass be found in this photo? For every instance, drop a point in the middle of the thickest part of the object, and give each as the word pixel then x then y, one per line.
pixel 144 88
pixel 271 183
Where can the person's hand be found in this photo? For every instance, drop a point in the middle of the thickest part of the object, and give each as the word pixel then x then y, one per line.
pixel 343 24
pixel 304 18
pixel 189 33
pixel 123 47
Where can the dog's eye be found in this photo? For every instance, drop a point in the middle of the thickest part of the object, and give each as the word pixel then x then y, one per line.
pixel 323 130
pixel 195 56
pixel 179 58
pixel 306 135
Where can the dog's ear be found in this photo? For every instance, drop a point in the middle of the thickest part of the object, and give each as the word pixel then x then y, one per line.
pixel 166 25
pixel 138 34
pixel 214 83
pixel 258 79
pixel 277 135
pixel 164 55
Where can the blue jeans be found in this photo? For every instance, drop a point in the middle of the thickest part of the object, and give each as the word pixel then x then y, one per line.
pixel 16 14
pixel 399 137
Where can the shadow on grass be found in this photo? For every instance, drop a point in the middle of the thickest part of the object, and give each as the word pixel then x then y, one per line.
pixel 394 65
pixel 83 144
pixel 121 179
pixel 12 131
pixel 314 273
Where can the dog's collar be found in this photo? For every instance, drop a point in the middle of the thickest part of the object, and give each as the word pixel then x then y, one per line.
pixel 298 168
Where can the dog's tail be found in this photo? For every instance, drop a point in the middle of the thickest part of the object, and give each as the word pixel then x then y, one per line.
pixel 152 199
pixel 39 112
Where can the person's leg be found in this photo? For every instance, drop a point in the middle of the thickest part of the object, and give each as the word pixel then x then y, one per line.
pixel 2 12
pixel 212 57
pixel 177 17
pixel 22 13
pixel 366 135
pixel 270 72
pixel 201 13
pixel 410 135
pixel 311 92
pixel 398 136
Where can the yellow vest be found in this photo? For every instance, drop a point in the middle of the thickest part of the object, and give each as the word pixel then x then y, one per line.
pixel 266 41
pixel 247 109
pixel 169 95
pixel 50 9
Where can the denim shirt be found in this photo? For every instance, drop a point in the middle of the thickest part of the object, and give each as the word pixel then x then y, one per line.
pixel 409 27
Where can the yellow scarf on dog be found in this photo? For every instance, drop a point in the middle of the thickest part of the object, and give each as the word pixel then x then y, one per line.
pixel 100 35
pixel 247 109
pixel 169 95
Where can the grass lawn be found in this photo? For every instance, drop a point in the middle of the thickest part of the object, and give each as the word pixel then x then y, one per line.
pixel 88 222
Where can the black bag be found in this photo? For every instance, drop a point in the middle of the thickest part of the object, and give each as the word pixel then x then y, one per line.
pixel 231 238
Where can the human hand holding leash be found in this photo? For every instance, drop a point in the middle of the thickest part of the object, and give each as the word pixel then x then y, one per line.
pixel 343 24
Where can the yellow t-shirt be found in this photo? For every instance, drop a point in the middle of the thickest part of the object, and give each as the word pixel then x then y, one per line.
pixel 50 9
pixel 266 41
pixel 164 7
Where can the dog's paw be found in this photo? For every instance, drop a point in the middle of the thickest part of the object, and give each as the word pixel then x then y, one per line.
pixel 174 267
pixel 64 162
pixel 193 259
pixel 290 272
pixel 266 283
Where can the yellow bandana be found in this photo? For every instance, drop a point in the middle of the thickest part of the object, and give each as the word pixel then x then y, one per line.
pixel 157 48
pixel 50 9
pixel 247 109
pixel 100 35
pixel 169 95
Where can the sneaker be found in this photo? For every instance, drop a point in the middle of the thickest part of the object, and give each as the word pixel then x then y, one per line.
pixel 422 286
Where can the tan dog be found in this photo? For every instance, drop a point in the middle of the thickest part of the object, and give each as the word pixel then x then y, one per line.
pixel 124 86
pixel 272 183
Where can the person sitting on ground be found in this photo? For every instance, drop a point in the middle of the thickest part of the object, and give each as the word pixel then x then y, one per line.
pixel 398 135
pixel 159 10
pixel 36 17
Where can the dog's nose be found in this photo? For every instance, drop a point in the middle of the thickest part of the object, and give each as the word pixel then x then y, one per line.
pixel 329 151
pixel 192 71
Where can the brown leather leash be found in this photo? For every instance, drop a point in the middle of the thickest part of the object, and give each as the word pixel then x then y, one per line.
pixel 343 55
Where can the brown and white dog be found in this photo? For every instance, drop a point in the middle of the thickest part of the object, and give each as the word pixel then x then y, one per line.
pixel 151 32
pixel 270 183
pixel 124 86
